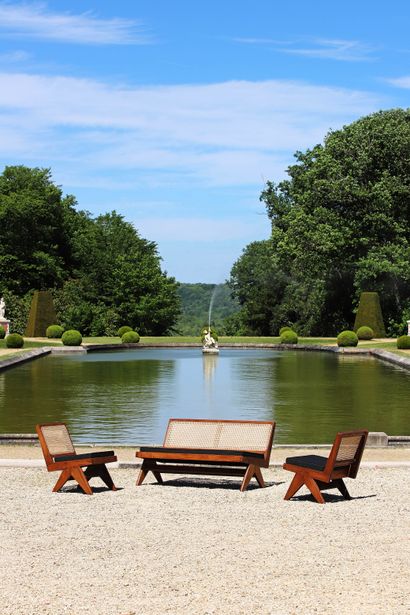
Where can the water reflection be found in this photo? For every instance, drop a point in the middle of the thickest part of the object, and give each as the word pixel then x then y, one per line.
pixel 127 397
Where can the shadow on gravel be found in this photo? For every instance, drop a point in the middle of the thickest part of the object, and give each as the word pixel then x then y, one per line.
pixel 212 484
pixel 330 498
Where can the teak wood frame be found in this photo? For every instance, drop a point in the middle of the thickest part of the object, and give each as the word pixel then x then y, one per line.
pixel 72 469
pixel 211 462
pixel 331 477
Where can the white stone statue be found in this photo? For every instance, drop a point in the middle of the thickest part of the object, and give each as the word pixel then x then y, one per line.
pixel 209 341
pixel 2 308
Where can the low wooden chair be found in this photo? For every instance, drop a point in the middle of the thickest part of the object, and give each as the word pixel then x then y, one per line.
pixel 319 473
pixel 59 454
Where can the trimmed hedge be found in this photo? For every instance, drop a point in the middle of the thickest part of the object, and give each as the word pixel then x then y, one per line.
pixel 124 329
pixel 2 333
pixel 14 340
pixel 54 332
pixel 130 337
pixel 289 337
pixel 42 314
pixel 369 314
pixel 283 329
pixel 365 333
pixel 71 338
pixel 347 338
pixel 403 342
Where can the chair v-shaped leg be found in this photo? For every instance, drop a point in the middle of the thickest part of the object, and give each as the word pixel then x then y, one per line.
pixel 339 484
pixel 102 472
pixel 313 487
pixel 297 482
pixel 62 479
pixel 79 476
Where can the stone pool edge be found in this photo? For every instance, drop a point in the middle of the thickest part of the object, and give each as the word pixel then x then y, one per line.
pixel 36 353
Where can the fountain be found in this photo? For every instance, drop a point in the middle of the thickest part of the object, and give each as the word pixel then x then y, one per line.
pixel 210 345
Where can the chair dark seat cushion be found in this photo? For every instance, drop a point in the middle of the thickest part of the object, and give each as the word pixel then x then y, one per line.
pixel 200 451
pixel 313 462
pixel 83 456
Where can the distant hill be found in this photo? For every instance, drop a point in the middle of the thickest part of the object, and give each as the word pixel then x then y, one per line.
pixel 195 301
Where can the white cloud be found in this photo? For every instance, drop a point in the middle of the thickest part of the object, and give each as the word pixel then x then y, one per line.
pixel 34 21
pixel 327 49
pixel 400 82
pixel 223 134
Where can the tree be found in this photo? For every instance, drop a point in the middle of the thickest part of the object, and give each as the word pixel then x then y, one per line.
pixel 341 225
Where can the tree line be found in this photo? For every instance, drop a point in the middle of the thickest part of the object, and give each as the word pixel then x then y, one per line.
pixel 340 226
pixel 101 272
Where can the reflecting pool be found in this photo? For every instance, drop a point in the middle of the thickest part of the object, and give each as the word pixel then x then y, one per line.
pixel 127 396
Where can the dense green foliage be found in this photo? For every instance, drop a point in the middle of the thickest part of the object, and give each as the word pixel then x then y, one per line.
pixel 123 329
pixel 347 338
pixel 365 333
pixel 369 314
pixel 195 302
pixel 54 332
pixel 71 338
pixel 2 333
pixel 100 271
pixel 14 340
pixel 289 337
pixel 340 226
pixel 283 329
pixel 42 314
pixel 403 342
pixel 130 337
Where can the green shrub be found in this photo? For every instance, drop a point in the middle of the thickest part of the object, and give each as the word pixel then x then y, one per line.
pixel 289 337
pixel 403 342
pixel 213 334
pixel 71 338
pixel 283 329
pixel 365 333
pixel 42 314
pixel 2 333
pixel 54 331
pixel 130 337
pixel 347 338
pixel 14 340
pixel 369 314
pixel 124 329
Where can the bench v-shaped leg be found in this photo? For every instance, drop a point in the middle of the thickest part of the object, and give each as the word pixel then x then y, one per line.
pixel 158 477
pixel 250 471
pixel 297 482
pixel 79 476
pixel 258 476
pixel 62 479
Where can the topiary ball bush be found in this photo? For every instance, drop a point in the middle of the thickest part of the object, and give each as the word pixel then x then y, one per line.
pixel 289 337
pixel 403 342
pixel 283 329
pixel 2 333
pixel 71 338
pixel 14 340
pixel 365 333
pixel 124 329
pixel 54 332
pixel 347 338
pixel 130 337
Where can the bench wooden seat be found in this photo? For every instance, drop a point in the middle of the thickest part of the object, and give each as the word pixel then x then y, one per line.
pixel 210 447
pixel 319 473
pixel 59 454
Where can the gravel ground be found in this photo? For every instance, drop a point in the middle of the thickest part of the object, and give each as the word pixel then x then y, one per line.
pixel 199 547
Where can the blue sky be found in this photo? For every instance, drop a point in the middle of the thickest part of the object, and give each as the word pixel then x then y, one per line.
pixel 176 113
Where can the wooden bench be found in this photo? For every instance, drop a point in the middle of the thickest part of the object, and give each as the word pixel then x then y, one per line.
pixel 210 447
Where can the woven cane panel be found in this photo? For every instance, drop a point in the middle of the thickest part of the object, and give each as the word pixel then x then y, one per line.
pixel 57 439
pixel 348 448
pixel 218 435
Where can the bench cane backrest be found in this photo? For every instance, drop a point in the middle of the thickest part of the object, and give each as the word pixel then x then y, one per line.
pixel 224 435
pixel 55 440
pixel 348 449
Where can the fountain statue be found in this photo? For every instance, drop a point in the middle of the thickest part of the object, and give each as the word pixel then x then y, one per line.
pixel 3 320
pixel 210 345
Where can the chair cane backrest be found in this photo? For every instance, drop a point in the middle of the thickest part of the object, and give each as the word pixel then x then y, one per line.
pixel 347 451
pixel 220 434
pixel 55 440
